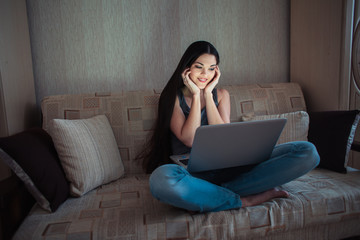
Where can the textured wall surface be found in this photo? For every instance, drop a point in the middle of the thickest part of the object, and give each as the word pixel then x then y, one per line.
pixel 82 46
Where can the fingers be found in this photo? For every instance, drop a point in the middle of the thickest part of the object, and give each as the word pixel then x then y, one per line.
pixel 185 74
pixel 218 73
pixel 209 88
pixel 214 82
pixel 191 86
pixel 185 77
pixel 189 83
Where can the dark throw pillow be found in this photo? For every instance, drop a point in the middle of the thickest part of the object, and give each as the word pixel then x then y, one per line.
pixel 32 157
pixel 332 132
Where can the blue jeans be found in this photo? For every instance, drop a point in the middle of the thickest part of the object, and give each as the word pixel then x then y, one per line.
pixel 221 189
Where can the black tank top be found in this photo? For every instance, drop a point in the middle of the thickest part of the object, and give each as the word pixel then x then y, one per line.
pixel 177 146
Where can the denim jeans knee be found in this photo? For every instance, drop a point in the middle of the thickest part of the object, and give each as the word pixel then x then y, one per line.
pixel 164 178
pixel 307 155
pixel 174 185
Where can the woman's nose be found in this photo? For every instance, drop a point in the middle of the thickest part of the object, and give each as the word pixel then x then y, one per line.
pixel 204 71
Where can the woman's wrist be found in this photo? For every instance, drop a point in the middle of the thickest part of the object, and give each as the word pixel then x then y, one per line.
pixel 208 95
pixel 196 96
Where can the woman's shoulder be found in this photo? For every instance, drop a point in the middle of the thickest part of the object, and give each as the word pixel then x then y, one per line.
pixel 222 93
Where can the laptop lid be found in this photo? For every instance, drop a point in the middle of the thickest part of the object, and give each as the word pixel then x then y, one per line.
pixel 234 144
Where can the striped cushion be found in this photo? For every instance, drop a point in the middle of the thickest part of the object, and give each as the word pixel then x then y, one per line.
pixel 296 128
pixel 88 152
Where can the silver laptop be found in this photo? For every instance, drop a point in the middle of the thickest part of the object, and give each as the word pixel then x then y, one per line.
pixel 231 145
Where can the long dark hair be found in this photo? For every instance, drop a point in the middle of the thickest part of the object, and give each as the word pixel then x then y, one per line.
pixel 158 149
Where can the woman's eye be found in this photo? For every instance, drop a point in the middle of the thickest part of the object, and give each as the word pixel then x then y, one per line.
pixel 198 67
pixel 211 69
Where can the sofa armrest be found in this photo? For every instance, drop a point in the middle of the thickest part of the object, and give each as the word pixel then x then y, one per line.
pixel 355 146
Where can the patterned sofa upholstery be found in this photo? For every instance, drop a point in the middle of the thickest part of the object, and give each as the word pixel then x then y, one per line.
pixel 322 204
pixel 132 114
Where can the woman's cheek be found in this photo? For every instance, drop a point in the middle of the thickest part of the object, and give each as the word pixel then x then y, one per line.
pixel 192 76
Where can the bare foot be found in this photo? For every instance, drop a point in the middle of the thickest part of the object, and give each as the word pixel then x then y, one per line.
pixel 257 199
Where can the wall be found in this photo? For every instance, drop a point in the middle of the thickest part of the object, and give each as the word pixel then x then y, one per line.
pixel 355 81
pixel 17 93
pixel 114 45
pixel 321 55
pixel 315 48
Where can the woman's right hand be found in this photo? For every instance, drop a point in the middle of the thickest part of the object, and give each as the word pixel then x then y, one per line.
pixel 189 83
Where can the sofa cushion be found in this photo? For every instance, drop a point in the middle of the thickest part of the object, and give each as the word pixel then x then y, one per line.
pixel 88 152
pixel 296 127
pixel 32 157
pixel 321 202
pixel 332 132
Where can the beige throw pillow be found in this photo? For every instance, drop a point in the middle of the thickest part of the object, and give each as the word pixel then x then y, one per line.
pixel 88 152
pixel 296 128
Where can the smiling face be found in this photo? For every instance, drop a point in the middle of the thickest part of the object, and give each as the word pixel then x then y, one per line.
pixel 203 70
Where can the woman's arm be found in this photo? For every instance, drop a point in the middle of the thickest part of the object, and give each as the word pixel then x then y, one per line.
pixel 184 129
pixel 220 114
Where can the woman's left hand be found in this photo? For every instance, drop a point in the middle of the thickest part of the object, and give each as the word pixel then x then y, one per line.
pixel 210 87
pixel 194 90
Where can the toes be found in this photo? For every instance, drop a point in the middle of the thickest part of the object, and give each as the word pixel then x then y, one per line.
pixel 280 193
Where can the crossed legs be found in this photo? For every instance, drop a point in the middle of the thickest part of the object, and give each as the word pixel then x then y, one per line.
pixel 172 184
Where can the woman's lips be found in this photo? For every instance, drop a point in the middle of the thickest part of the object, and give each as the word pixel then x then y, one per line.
pixel 202 79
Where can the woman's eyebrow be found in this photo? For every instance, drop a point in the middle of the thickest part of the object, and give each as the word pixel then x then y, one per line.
pixel 203 64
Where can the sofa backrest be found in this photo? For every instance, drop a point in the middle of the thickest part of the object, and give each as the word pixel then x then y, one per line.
pixel 132 114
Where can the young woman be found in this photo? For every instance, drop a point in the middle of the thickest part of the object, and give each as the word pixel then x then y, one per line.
pixel 190 100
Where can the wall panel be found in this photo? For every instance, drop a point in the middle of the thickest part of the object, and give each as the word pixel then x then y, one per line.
pixel 17 93
pixel 316 43
pixel 113 45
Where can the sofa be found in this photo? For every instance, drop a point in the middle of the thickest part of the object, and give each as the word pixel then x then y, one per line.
pixel 89 182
